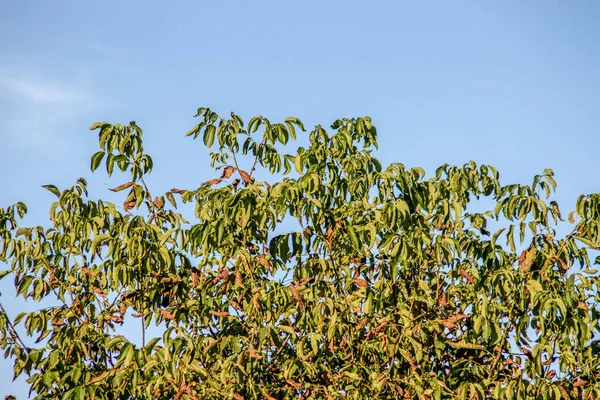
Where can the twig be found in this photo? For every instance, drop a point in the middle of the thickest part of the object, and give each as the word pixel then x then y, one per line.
pixel 13 331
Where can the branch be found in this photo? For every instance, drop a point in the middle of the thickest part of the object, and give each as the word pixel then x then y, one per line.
pixel 13 331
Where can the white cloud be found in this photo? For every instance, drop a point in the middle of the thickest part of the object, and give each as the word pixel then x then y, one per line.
pixel 40 108
pixel 38 91
pixel 37 87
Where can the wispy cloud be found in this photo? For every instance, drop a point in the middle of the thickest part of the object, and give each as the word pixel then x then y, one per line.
pixel 38 91
pixel 39 107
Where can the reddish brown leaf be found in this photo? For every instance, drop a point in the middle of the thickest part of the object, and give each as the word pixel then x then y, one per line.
pixel 129 205
pixel 99 292
pixel 58 322
pixel 194 279
pixel 237 396
pixel 116 318
pixel 254 354
pixel 122 187
pixel 267 396
pixel 245 176
pixel 579 383
pixel 181 391
pixel 361 282
pixel 89 272
pixel 227 172
pixel 295 385
pixel 362 323
pixel 510 361
pixel 158 202
pixel 458 317
pixel 178 191
pixel 213 181
pixel 167 315
pixel 442 300
pixel 263 261
pixel 98 378
pixel 219 313
pixel 296 295
pixel 522 256
pixel 466 275
pixel 449 324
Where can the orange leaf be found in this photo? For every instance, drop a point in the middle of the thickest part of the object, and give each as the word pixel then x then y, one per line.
pixel 267 396
pixel 296 295
pixel 122 187
pixel 227 172
pixel 178 191
pixel 361 282
pixel 466 275
pixel 98 378
pixel 89 272
pixel 219 313
pixel 449 324
pixel 129 206
pixel 263 261
pixel 245 176
pixel 295 385
pixel 579 383
pixel 213 181
pixel 167 314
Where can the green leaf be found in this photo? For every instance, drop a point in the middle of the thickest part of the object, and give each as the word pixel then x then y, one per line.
pixel 209 135
pixel 96 160
pixel 53 189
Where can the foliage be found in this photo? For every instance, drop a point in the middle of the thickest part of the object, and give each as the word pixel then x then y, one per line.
pixel 338 278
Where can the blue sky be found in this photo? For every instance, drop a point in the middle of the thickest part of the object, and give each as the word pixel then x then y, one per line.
pixel 509 83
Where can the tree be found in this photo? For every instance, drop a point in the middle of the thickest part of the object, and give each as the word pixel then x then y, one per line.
pixel 334 278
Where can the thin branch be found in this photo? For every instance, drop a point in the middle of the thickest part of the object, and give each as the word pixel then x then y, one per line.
pixel 262 142
pixel 13 331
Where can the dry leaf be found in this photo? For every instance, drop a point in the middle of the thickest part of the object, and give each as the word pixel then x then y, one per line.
pixel 262 261
pixel 295 385
pixel 128 206
pixel 178 191
pixel 89 272
pixel 167 314
pixel 442 300
pixel 227 172
pixel 219 313
pixel 245 176
pixel 158 202
pixel 213 181
pixel 122 187
pixel 296 295
pixel 361 282
pixel 267 396
pixel 466 275
pixel 98 378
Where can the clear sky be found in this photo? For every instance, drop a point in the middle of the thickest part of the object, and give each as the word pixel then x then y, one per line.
pixel 515 84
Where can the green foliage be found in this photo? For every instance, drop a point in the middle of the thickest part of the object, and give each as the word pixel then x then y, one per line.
pixel 338 278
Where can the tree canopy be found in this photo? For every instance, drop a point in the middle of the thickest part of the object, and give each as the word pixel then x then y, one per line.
pixel 331 277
